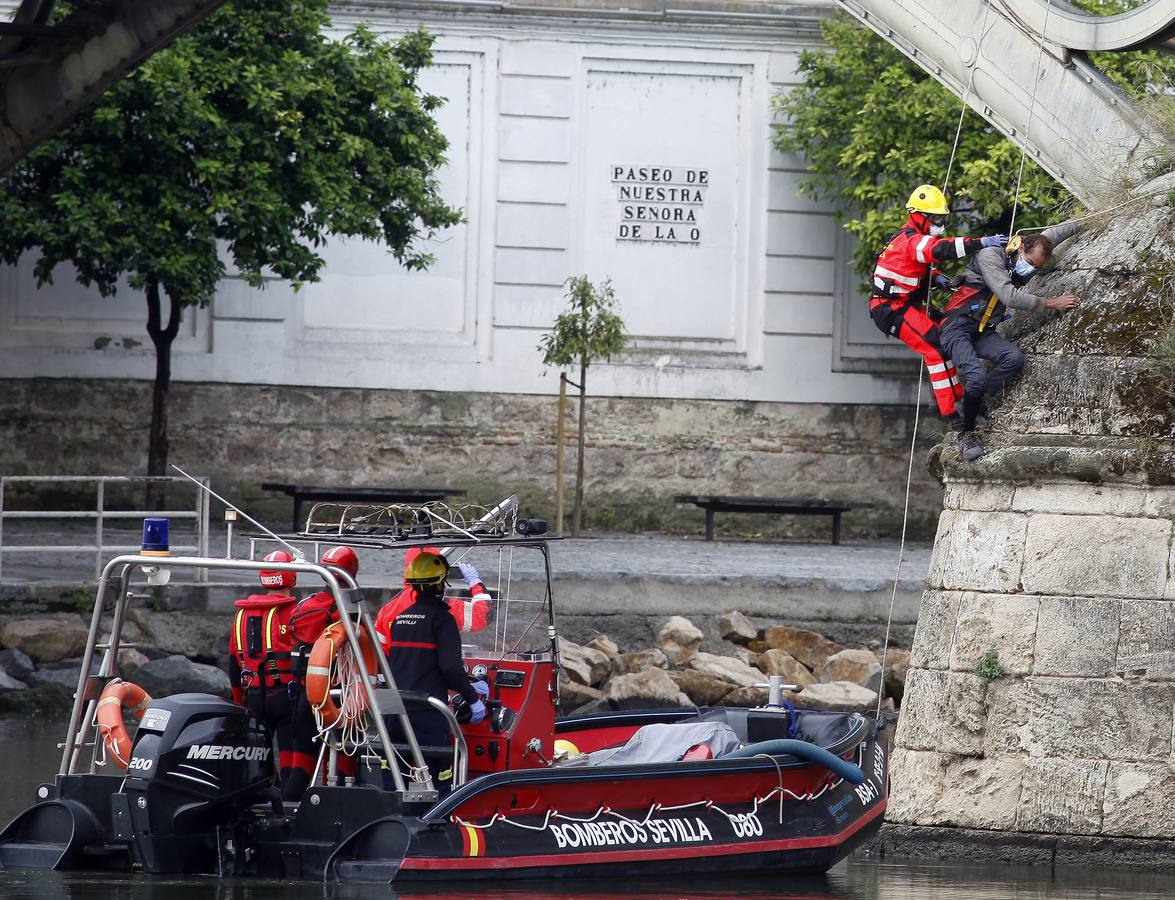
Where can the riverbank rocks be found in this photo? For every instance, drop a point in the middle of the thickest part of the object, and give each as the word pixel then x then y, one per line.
pixel 640 660
pixel 46 638
pixel 8 683
pixel 737 628
pixel 779 662
pixel 726 668
pixel 643 690
pixel 583 664
pixel 608 647
pixel 840 696
pixel 179 675
pixel 808 647
pixel 16 664
pixel 856 666
pixel 679 639
pixel 702 689
pixel 895 666
pixel 573 695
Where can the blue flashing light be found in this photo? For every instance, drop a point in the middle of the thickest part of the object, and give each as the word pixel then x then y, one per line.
pixel 155 538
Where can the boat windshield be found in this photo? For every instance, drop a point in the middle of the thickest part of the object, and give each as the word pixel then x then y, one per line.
pixel 513 623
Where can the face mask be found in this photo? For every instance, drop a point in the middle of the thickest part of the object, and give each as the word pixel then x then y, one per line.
pixel 1024 268
pixel 937 230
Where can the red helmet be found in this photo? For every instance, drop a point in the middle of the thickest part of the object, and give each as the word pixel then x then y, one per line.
pixel 413 552
pixel 342 558
pixel 272 578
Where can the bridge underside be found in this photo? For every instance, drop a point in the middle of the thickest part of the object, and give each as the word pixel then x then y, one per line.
pixel 1080 128
pixel 50 72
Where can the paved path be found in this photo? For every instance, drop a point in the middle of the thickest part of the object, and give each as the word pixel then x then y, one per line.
pixel 851 566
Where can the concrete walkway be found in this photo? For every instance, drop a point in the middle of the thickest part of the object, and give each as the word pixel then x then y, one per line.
pixel 622 585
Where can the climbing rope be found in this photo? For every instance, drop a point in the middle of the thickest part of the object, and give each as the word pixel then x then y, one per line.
pixel 1031 114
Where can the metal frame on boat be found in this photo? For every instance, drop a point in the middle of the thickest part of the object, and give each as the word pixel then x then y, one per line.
pixel 799 791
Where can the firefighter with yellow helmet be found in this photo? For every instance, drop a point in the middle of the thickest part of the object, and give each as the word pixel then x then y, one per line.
pixel 900 287
pixel 424 653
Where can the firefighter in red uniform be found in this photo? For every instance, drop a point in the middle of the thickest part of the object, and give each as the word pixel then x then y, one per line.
pixel 471 615
pixel 424 654
pixel 310 619
pixel 899 305
pixel 261 672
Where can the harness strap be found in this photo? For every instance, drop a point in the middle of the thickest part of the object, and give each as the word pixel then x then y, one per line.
pixel 991 305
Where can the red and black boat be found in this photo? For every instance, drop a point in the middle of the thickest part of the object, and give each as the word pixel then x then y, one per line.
pixel 639 793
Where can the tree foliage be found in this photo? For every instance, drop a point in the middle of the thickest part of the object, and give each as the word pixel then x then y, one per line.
pixel 590 330
pixel 872 125
pixel 248 141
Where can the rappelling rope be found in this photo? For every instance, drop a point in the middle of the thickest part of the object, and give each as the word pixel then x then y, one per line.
pixel 1031 114
pixel 922 372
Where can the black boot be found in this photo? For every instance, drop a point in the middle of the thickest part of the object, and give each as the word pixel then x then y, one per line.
pixel 969 446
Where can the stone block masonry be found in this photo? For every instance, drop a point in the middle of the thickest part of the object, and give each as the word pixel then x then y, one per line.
pixel 640 452
pixel 1068 582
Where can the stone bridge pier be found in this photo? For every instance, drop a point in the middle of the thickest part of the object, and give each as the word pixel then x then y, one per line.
pixel 1040 705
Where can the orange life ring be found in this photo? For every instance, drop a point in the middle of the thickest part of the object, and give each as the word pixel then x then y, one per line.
pixel 118 694
pixel 320 671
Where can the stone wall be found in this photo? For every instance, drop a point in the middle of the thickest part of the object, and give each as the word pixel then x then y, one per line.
pixel 640 452
pixel 1070 583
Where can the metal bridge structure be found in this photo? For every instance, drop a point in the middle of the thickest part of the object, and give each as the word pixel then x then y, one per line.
pixel 50 70
pixel 1023 65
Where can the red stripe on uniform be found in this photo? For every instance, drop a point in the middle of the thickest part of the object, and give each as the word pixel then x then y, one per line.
pixel 421 645
pixel 608 856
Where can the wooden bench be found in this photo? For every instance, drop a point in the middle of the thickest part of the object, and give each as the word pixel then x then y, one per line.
pixel 318 493
pixel 789 505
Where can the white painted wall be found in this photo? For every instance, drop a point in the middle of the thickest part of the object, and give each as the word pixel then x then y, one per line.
pixel 541 111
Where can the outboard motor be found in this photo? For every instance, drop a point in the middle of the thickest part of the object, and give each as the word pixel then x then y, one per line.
pixel 197 765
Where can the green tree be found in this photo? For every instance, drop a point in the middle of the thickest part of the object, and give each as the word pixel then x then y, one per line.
pixel 872 126
pixel 250 139
pixel 590 330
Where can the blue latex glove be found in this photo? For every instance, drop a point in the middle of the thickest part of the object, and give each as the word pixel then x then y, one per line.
pixel 482 688
pixel 477 712
pixel 469 573
pixel 994 240
pixel 942 283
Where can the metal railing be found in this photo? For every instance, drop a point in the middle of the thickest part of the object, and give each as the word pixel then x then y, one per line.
pixel 199 513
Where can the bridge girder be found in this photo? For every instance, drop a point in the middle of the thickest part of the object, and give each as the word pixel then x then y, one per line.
pixel 1082 129
pixel 50 73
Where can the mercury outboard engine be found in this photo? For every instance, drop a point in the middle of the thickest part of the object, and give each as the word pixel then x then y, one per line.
pixel 197 765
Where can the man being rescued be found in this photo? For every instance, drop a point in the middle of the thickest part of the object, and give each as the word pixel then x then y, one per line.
pixel 901 285
pixel 992 281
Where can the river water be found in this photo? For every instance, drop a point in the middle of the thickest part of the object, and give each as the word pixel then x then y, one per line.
pixel 28 756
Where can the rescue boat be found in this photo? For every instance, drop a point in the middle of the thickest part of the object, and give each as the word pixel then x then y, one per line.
pixel 643 793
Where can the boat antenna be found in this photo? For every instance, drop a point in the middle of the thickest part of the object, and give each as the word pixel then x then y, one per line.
pixel 298 555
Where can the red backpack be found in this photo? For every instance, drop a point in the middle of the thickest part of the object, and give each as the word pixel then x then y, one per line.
pixel 261 640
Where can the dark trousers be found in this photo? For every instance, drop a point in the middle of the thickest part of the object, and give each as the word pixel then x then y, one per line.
pixel 964 343
pixel 287 714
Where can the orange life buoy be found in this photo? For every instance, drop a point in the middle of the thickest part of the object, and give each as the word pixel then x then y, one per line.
pixel 320 671
pixel 118 694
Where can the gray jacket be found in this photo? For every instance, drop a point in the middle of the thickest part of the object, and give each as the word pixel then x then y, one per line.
pixel 988 272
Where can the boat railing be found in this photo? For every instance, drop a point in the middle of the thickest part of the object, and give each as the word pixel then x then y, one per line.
pixel 116 577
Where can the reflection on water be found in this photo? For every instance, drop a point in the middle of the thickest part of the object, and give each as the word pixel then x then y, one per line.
pixel 28 756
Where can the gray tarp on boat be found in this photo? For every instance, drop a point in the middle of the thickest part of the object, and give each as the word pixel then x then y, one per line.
pixel 666 743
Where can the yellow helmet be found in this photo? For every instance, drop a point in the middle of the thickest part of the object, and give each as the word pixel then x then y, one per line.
pixel 427 569
pixel 928 199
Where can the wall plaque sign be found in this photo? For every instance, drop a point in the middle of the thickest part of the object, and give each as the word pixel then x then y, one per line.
pixel 660 204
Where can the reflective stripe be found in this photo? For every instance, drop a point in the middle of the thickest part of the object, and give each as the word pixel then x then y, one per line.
pixel 902 279
pixel 421 645
pixel 318 670
pixel 922 246
pixel 879 283
pixel 935 369
pixel 240 636
pixel 939 385
pixel 269 628
pixel 960 248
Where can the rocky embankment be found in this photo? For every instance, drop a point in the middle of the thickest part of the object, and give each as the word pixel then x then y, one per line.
pixel 678 672
pixel 171 652
pixel 167 653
